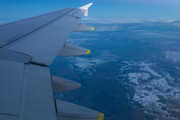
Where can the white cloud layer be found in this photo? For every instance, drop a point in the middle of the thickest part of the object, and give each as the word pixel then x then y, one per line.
pixel 177 24
pixel 125 20
pixel 86 63
pixel 174 56
pixel 153 90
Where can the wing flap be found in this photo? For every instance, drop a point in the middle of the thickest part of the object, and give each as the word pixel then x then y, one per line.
pixel 37 99
pixel 26 91
pixel 14 56
pixel 11 74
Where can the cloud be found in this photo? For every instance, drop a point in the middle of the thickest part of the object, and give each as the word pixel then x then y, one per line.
pixel 80 41
pixel 103 28
pixel 148 69
pixel 177 24
pixel 174 56
pixel 145 67
pixel 133 77
pixel 125 20
pixel 112 20
pixel 152 90
pixel 87 63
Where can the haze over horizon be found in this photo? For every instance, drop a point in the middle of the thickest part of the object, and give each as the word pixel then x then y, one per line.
pixel 107 10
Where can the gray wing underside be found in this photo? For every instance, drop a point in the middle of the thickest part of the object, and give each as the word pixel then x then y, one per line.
pixel 26 86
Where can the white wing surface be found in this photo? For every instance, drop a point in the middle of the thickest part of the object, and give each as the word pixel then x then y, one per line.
pixel 26 85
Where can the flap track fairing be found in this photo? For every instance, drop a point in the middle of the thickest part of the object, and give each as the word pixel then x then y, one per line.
pixel 73 50
pixel 81 27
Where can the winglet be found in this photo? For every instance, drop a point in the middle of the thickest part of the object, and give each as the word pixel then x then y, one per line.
pixel 86 8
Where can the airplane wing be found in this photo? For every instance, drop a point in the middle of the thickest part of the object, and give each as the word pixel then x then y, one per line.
pixel 27 47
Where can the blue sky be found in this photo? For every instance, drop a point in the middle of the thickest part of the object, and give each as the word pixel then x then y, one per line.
pixel 132 9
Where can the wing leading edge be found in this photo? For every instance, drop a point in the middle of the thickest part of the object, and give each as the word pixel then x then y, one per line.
pixel 26 85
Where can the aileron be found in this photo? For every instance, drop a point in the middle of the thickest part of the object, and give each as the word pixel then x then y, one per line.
pixel 68 19
pixel 79 13
pixel 73 11
pixel 49 32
